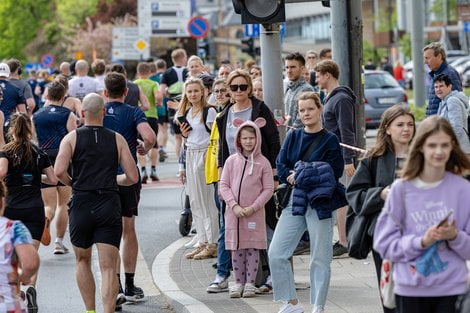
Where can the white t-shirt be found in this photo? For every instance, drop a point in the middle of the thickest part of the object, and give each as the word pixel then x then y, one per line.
pixel 199 137
pixel 79 87
pixel 100 80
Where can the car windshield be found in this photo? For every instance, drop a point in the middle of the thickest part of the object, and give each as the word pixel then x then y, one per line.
pixel 380 80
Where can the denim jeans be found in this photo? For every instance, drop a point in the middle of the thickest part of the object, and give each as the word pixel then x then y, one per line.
pixel 224 262
pixel 287 235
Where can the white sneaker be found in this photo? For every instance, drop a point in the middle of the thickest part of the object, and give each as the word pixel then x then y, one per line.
pixel 291 308
pixel 236 291
pixel 318 309
pixel 218 285
pixel 249 291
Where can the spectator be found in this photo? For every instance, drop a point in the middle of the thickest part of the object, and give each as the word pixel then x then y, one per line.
pixel 312 58
pixel 326 54
pixel 195 66
pixel 399 74
pixel 435 58
pixel 258 88
pixel 370 65
pixel 224 70
pixel 255 72
pixel 249 64
pixel 386 66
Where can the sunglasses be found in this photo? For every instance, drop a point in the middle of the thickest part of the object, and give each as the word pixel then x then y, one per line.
pixel 220 90
pixel 242 87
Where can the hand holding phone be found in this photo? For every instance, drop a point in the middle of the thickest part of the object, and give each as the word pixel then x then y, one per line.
pixel 445 220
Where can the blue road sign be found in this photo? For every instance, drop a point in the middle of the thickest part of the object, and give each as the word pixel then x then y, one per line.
pixel 466 27
pixel 198 27
pixel 252 30
pixel 47 60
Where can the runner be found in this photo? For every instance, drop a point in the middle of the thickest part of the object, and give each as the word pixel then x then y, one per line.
pixel 15 80
pixel 21 165
pixel 82 84
pixel 52 123
pixel 95 207
pixel 130 122
pixel 13 98
pixel 162 113
pixel 150 90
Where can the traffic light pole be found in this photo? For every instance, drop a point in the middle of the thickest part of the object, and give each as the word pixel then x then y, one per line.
pixel 271 65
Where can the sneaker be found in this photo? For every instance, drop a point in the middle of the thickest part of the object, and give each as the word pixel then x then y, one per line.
pixel 134 294
pixel 236 291
pixel 46 233
pixel 302 247
pixel 153 176
pixel 60 248
pixel 264 288
pixel 291 308
pixel 31 301
pixel 196 251
pixel 210 251
pixel 192 244
pixel 249 291
pixel 339 249
pixel 120 300
pixel 216 287
pixel 161 155
pixel 144 179
pixel 318 309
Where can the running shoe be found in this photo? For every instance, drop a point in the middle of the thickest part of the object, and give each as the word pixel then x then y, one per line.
pixel 31 300
pixel 162 155
pixel 144 179
pixel 134 294
pixel 153 175
pixel 60 248
pixel 339 249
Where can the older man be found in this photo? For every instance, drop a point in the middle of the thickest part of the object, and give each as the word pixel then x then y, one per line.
pixel 82 84
pixel 435 58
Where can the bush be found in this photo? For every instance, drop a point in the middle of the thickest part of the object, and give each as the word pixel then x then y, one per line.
pixel 418 112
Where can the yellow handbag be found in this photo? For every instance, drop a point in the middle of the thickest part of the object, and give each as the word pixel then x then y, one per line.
pixel 211 171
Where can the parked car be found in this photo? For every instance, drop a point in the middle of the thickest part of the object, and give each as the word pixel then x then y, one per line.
pixel 381 91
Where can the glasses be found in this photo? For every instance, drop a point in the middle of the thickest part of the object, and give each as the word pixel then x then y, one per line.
pixel 220 90
pixel 242 87
pixel 312 57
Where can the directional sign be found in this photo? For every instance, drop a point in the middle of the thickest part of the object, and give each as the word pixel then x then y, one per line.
pixel 466 27
pixel 198 27
pixel 47 60
pixel 164 18
pixel 252 30
pixel 129 45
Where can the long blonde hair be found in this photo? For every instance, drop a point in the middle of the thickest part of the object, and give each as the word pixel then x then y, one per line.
pixel 185 105
pixel 20 148
pixel 458 162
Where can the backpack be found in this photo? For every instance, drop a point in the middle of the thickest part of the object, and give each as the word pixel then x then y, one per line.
pixel 205 113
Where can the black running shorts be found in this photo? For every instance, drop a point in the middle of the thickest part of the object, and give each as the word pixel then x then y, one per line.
pixel 33 218
pixel 130 197
pixel 95 218
pixel 153 122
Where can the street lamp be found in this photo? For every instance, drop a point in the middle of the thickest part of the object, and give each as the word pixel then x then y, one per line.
pixel 260 11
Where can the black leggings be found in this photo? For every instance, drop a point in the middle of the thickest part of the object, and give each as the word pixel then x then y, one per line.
pixel 426 304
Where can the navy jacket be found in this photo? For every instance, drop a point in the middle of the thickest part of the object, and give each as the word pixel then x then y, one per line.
pixel 445 68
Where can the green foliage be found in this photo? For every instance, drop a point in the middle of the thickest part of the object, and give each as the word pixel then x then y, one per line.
pixel 438 7
pixel 405 45
pixel 370 52
pixel 418 112
pixel 387 20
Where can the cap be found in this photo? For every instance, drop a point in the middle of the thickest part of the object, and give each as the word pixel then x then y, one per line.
pixel 4 70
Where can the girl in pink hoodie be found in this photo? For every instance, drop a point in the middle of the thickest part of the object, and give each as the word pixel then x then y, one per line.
pixel 246 185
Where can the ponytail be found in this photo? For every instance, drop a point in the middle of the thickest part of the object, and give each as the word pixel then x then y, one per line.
pixel 19 148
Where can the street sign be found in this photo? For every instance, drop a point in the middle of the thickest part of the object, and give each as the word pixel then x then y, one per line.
pixel 164 18
pixel 252 30
pixel 198 27
pixel 466 27
pixel 47 60
pixel 129 45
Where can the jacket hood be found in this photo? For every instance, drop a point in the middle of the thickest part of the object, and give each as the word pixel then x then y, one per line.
pixel 461 96
pixel 343 90
pixel 239 123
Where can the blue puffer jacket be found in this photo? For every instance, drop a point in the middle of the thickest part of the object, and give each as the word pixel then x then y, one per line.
pixel 315 184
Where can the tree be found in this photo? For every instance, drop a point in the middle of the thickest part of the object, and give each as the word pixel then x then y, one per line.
pixel 438 7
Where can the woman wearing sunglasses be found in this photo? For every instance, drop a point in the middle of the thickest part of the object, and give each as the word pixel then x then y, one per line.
pixel 246 107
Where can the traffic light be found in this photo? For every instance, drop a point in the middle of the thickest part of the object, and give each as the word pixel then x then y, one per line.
pixel 326 3
pixel 260 11
pixel 250 47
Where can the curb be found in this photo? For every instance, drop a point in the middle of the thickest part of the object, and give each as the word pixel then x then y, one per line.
pixel 179 300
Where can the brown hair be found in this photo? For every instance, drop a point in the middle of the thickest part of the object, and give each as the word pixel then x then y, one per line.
pixel 63 80
pixel 437 49
pixel 178 54
pixel 98 66
pixel 248 128
pixel 56 91
pixel 241 73
pixel 384 140
pixel 20 148
pixel 458 162
pixel 115 84
pixel 143 68
pixel 185 104
pixel 310 95
pixel 249 64
pixel 327 66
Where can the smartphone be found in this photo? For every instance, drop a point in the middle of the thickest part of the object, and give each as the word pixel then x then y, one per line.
pixel 182 119
pixel 445 219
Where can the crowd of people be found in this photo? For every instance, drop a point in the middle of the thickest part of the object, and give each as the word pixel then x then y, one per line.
pixel 74 148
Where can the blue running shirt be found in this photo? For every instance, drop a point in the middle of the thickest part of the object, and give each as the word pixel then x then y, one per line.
pixel 51 125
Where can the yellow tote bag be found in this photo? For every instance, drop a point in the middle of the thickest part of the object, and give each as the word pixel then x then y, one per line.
pixel 212 174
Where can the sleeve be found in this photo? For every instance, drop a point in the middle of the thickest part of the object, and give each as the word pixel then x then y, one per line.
pixel 283 165
pixel 21 99
pixel 455 79
pixel 454 114
pixel 345 116
pixel 389 242
pixel 28 93
pixel 225 185
pixel 139 116
pixel 211 115
pixel 3 155
pixel 461 244
pixel 333 156
pixel 268 187
pixel 21 234
pixel 270 135
pixel 363 197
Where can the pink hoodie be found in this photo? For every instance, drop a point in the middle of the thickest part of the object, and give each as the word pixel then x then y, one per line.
pixel 247 182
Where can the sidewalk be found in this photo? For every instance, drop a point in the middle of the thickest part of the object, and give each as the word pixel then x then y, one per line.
pixel 353 286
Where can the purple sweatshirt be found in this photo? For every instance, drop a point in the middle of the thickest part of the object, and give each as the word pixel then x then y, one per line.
pixel 439 270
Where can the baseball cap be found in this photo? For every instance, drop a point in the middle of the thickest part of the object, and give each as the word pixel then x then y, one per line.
pixel 4 70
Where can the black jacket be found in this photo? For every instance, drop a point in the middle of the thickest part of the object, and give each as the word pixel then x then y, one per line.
pixel 270 144
pixel 371 177
pixel 339 118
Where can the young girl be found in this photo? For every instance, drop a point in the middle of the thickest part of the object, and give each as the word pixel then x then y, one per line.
pixel 201 195
pixel 424 228
pixel 246 185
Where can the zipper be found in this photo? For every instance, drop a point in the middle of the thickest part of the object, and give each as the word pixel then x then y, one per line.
pixel 239 192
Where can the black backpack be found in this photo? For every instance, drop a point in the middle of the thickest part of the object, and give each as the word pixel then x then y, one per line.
pixel 205 113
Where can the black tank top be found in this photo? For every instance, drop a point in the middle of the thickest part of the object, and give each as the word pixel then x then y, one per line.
pixel 132 97
pixel 95 160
